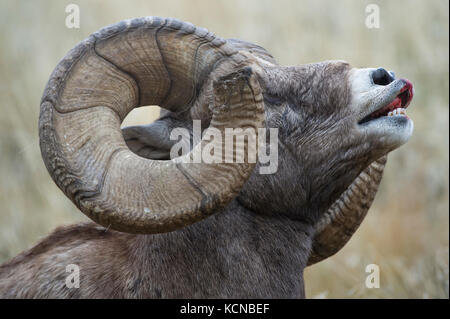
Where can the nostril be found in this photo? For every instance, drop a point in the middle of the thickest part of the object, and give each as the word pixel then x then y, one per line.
pixel 381 77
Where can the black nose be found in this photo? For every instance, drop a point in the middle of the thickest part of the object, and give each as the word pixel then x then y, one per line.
pixel 382 77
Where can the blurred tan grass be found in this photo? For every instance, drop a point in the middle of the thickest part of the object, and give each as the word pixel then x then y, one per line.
pixel 407 230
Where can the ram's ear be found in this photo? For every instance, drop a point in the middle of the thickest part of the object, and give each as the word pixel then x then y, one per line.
pixel 252 48
pixel 151 141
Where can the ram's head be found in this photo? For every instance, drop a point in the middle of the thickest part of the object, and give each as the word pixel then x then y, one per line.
pixel 335 125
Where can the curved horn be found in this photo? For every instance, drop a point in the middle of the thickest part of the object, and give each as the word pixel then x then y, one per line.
pixel 146 61
pixel 337 225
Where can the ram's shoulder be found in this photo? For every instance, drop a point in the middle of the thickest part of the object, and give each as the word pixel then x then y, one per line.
pixel 63 238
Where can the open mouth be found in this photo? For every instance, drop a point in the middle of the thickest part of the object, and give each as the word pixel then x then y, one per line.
pixel 397 107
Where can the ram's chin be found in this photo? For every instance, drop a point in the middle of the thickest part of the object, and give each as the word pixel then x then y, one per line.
pixel 391 131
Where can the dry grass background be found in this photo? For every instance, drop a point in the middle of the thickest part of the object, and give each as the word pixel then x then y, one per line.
pixel 407 230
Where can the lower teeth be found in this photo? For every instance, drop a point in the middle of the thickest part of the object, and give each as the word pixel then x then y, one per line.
pixel 397 112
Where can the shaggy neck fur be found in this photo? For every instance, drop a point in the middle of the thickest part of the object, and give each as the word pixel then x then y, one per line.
pixel 235 253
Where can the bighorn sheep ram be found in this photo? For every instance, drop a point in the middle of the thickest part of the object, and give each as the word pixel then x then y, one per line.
pixel 174 229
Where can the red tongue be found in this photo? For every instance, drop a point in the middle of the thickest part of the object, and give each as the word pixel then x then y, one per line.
pixel 394 104
pixel 397 102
